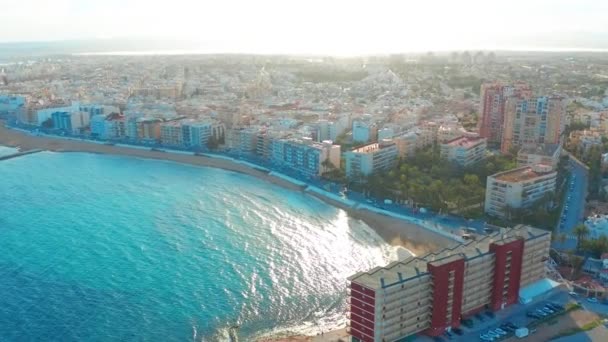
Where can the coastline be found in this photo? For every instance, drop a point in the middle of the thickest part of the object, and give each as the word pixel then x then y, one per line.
pixel 396 232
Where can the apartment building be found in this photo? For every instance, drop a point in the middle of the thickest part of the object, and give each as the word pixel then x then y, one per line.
pixel 371 158
pixel 305 156
pixel 492 107
pixel 432 293
pixel 11 105
pixel 171 133
pixel 518 188
pixel 70 122
pixel 546 154
pixel 465 151
pixel 364 131
pixel 538 120
pixel 412 140
pixel 196 133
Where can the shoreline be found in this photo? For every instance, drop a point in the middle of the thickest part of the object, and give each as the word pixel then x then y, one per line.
pixel 395 231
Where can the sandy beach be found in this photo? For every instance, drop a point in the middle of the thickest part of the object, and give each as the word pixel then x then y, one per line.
pixel 395 231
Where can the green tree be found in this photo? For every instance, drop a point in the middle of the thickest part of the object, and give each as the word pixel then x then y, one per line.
pixel 581 231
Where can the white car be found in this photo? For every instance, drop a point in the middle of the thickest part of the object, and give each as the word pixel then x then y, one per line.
pixel 500 331
pixel 492 334
pixel 592 300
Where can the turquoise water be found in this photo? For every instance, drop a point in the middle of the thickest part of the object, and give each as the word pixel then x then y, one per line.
pixel 105 248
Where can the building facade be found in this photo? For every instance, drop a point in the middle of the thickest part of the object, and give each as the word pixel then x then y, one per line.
pixel 371 158
pixel 518 188
pixel 305 156
pixel 432 293
pixel 492 107
pixel 464 151
pixel 70 122
pixel 546 154
pixel 539 120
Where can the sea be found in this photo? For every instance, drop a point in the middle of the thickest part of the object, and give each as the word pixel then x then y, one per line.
pixel 112 248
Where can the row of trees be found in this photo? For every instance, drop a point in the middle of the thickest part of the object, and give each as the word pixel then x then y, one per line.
pixel 429 181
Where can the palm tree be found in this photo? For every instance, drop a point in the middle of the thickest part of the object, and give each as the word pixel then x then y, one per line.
pixel 561 238
pixel 581 231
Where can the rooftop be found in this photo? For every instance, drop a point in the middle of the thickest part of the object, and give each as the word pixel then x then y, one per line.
pixel 541 149
pixel 523 173
pixel 373 147
pixel 400 271
pixel 466 142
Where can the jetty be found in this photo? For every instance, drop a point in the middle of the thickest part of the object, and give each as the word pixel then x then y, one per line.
pixel 19 154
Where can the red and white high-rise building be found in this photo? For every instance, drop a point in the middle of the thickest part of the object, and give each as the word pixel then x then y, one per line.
pixel 492 107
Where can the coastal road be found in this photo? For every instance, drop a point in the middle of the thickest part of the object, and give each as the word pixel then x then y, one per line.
pixel 574 205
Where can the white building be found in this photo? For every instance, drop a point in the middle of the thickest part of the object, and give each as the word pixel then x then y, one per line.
pixel 305 156
pixel 371 158
pixel 518 188
pixel 364 131
pixel 464 151
pixel 412 140
pixel 546 154
pixel 44 114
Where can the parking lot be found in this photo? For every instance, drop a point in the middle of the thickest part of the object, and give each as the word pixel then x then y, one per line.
pixel 483 326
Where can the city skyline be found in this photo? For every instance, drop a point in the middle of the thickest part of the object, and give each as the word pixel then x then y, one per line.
pixel 337 28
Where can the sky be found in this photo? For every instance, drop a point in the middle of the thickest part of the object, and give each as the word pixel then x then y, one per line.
pixel 312 26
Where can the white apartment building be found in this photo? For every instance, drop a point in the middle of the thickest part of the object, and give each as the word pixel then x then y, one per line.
pixel 305 156
pixel 464 151
pixel 364 131
pixel 412 140
pixel 546 154
pixel 518 188
pixel 371 158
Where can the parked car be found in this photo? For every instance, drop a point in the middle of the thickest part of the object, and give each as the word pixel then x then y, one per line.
pixel 547 310
pixel 557 306
pixel 500 331
pixel 573 294
pixel 592 300
pixel 457 331
pixel 492 334
pixel 507 328
pixel 485 337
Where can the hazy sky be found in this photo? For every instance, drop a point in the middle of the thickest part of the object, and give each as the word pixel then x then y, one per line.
pixel 330 26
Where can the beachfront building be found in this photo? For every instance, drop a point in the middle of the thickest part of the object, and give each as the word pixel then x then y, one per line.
pixel 529 121
pixel 432 293
pixel 371 158
pixel 44 112
pixel 464 151
pixel 70 122
pixel 518 188
pixel 305 156
pixel 171 133
pixel 246 141
pixel 197 133
pixel 112 126
pixel 11 105
pixel 97 109
pixel 546 154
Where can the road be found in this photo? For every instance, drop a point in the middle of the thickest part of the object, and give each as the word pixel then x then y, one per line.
pixel 574 205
